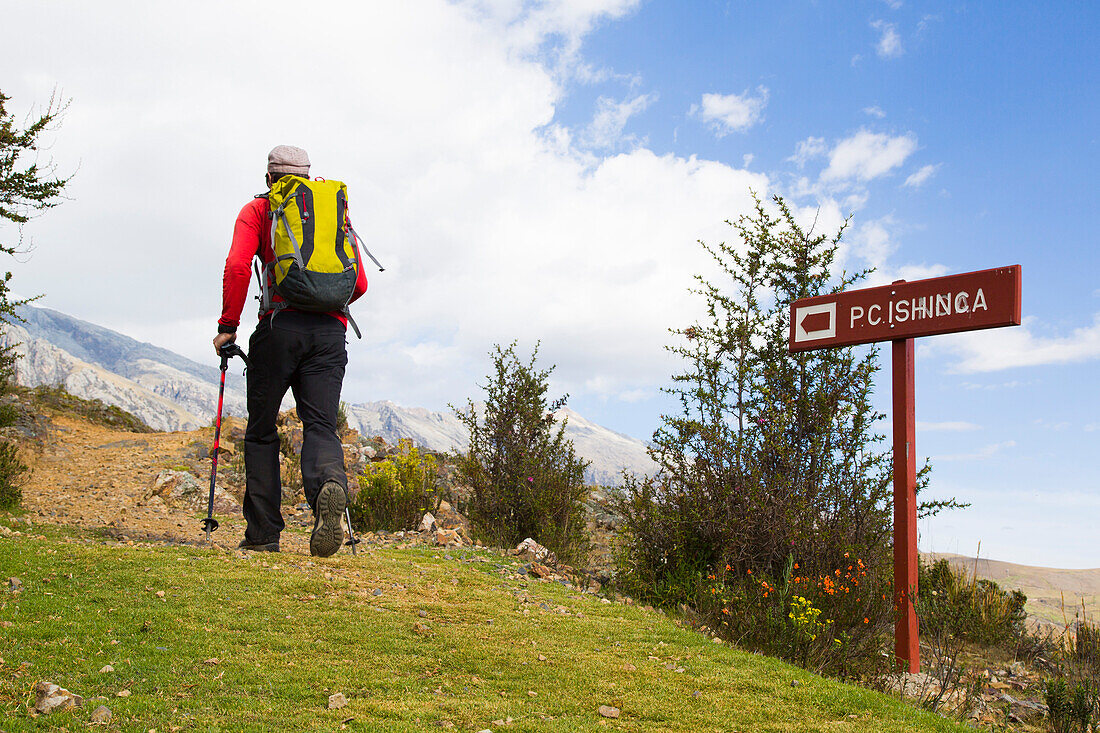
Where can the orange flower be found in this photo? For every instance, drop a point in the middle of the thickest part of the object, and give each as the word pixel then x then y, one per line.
pixel 865 620
pixel 796 566
pixel 749 572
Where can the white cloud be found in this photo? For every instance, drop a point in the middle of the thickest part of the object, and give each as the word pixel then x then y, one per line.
pixel 728 113
pixel 605 132
pixel 874 111
pixel 868 155
pixel 1011 384
pixel 1044 424
pixel 918 179
pixel 947 427
pixel 987 451
pixel 494 223
pixel 1020 346
pixel 872 241
pixel 926 21
pixel 811 147
pixel 889 42
pixel 529 28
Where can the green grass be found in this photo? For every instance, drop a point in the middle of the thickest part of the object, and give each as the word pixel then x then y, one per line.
pixel 288 631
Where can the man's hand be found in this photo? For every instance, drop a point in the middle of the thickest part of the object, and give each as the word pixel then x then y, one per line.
pixel 221 340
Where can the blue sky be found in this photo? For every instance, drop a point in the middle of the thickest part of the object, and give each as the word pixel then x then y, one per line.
pixel 541 171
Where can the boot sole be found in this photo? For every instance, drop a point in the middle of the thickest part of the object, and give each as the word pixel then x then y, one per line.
pixel 328 529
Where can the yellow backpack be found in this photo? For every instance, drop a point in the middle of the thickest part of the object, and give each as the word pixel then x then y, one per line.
pixel 315 267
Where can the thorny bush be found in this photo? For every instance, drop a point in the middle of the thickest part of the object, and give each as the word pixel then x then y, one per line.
pixel 394 494
pixel 773 460
pixel 524 477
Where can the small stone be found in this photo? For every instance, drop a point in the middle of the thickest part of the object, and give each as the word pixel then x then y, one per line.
pixel 422 613
pixel 6 624
pixel 540 571
pixel 532 693
pixel 101 715
pixel 426 523
pixel 337 701
pixel 212 661
pixel 542 658
pixel 160 594
pixel 421 629
pixel 5 531
pixel 123 693
pixel 15 585
pixel 628 667
pixel 795 683
pixel 51 698
pixel 376 592
pixel 445 724
pixel 106 668
pixel 697 694
pixel 608 712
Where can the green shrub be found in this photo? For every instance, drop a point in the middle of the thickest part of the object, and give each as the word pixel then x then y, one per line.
pixel 111 416
pixel 834 619
pixel 972 608
pixel 1084 648
pixel 12 474
pixel 524 477
pixel 342 418
pixel 772 459
pixel 9 414
pixel 394 493
pixel 1072 707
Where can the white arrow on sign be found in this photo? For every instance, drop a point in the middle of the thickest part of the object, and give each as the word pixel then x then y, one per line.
pixel 813 322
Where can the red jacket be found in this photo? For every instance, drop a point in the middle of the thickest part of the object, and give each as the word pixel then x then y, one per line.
pixel 251 238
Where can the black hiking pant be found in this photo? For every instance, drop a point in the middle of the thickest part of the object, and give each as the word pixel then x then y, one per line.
pixel 305 352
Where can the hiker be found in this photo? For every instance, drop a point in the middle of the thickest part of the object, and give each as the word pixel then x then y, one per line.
pixel 291 347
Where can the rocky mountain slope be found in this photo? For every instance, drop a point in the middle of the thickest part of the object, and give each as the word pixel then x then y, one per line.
pixel 171 392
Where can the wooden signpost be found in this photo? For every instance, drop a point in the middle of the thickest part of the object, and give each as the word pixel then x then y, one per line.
pixel 900 312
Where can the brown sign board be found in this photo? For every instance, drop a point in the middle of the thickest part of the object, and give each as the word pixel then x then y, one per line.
pixel 966 302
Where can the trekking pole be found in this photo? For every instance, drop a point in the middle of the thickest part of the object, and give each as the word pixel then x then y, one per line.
pixel 227 352
pixel 352 539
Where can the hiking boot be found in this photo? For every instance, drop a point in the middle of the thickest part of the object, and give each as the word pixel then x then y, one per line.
pixel 328 525
pixel 259 546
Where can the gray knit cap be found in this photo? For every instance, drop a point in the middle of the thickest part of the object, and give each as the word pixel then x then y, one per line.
pixel 288 159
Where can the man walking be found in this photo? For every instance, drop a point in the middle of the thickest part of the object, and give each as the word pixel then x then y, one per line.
pixel 293 348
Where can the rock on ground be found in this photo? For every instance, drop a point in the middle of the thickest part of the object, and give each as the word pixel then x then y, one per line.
pixel 531 551
pixel 51 698
pixel 608 712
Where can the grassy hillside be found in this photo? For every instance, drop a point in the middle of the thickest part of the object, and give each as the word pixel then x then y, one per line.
pixel 1053 594
pixel 208 640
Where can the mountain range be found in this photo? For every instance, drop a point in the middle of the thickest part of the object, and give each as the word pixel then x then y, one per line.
pixel 171 392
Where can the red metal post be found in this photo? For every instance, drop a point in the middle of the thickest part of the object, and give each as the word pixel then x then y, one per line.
pixel 906 640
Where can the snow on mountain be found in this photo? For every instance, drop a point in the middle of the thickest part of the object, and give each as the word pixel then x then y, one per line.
pixel 609 452
pixel 171 392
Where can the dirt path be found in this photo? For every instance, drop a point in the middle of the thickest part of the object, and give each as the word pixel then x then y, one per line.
pixel 101 479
